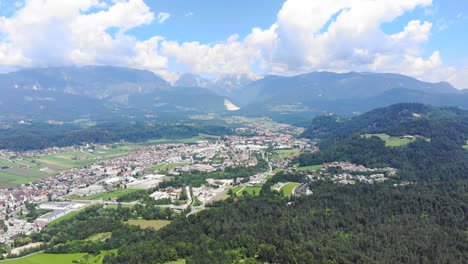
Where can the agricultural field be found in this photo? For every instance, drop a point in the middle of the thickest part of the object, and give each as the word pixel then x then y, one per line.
pixel 394 141
pixel 285 154
pixel 8 180
pixel 310 168
pixel 156 224
pixel 42 258
pixel 22 170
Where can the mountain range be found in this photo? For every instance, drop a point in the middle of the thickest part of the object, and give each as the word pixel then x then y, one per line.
pixel 96 92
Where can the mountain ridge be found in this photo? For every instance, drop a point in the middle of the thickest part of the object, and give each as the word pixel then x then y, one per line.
pixel 281 98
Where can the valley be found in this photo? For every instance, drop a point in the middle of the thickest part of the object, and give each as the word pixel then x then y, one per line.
pixel 156 184
pixel 233 132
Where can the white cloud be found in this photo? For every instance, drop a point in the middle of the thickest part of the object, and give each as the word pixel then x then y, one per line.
pixel 162 17
pixel 308 35
pixel 459 78
pixel 229 57
pixel 57 32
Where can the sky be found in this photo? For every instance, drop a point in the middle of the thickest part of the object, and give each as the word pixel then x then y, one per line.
pixel 425 39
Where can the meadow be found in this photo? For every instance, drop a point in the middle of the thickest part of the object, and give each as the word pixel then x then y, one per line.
pixel 200 137
pixel 288 188
pixel 43 258
pixel 285 154
pixel 251 190
pixel 65 217
pixel 310 168
pixel 166 166
pixel 22 170
pixel 393 141
pixel 156 224
pixel 107 195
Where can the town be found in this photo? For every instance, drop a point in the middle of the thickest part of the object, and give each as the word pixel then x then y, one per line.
pixel 143 168
pixel 153 168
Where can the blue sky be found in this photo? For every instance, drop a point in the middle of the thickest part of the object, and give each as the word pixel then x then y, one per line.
pixel 421 38
pixel 209 21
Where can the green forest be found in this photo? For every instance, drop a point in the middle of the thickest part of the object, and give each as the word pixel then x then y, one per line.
pixel 42 135
pixel 382 223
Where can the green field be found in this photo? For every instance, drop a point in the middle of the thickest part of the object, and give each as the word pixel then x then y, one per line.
pixel 251 190
pixel 156 224
pixel 200 137
pixel 42 258
pixel 394 141
pixel 310 168
pixel 180 261
pixel 285 154
pixel 99 237
pixel 109 195
pixel 288 188
pixel 65 217
pixel 30 169
pixel 166 166
pixel 466 146
pixel 8 180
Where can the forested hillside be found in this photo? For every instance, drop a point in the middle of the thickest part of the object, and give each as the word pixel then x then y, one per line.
pixel 382 120
pixel 436 153
pixel 422 223
pixel 41 135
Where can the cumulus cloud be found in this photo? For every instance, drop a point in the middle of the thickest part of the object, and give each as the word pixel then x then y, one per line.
pixel 162 17
pixel 308 35
pixel 57 32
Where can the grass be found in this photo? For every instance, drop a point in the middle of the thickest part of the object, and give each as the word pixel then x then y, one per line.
pixel 288 188
pixel 394 141
pixel 466 146
pixel 285 154
pixel 166 166
pixel 109 195
pixel 180 261
pixel 28 169
pixel 4 162
pixel 115 206
pixel 310 168
pixel 65 217
pixel 200 137
pixel 43 258
pixel 99 237
pixel 156 224
pixel 251 190
pixel 8 180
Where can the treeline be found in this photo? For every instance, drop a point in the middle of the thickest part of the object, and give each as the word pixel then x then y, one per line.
pixel 32 138
pixel 71 235
pixel 421 223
